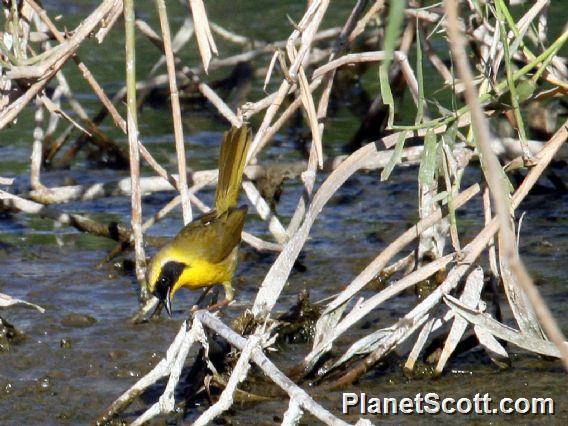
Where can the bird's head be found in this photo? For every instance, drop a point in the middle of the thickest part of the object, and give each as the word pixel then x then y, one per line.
pixel 163 276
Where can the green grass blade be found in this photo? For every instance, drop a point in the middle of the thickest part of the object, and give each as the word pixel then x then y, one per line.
pixel 429 160
pixel 394 26
pixel 420 77
pixel 395 157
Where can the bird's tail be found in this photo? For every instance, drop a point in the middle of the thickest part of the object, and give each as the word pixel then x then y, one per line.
pixel 232 159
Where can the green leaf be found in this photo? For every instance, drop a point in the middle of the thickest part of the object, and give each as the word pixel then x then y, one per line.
pixel 419 77
pixel 525 89
pixel 386 93
pixel 395 157
pixel 394 26
pixel 428 163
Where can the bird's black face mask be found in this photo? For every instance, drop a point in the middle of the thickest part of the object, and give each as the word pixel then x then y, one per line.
pixel 168 277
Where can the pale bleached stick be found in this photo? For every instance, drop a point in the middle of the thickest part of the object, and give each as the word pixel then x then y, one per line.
pixel 470 298
pixel 150 184
pixel 276 277
pixel 81 32
pixel 203 34
pixel 376 56
pixel 472 251
pixel 387 254
pixel 166 403
pixel 286 84
pixel 419 344
pixel 293 414
pixel 263 209
pixel 136 195
pixel 6 181
pixel 500 196
pixel 262 361
pixel 302 80
pixel 111 20
pixel 6 300
pixel 82 223
pixel 205 90
pixel 280 270
pixel 55 110
pixel 373 11
pixel 35 165
pixel 309 176
pixel 176 111
pixel 231 36
pixel 361 309
pixel 502 331
pixel 238 375
pixel 379 343
pixel 162 369
pixel 181 38
pixel 276 98
pixel 487 217
pixel 266 49
pixel 119 121
pixel 221 106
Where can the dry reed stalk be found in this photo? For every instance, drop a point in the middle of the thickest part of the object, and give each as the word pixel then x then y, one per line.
pixel 470 297
pixel 239 374
pixel 132 120
pixel 309 176
pixel 205 90
pixel 6 300
pixel 6 181
pixel 81 223
pixel 310 23
pixel 274 224
pixel 221 106
pixel 328 321
pixel 85 72
pixel 524 312
pixel 205 40
pixel 71 44
pixel 472 250
pixel 487 218
pixel 35 163
pixel 176 111
pixel 316 82
pixel 184 337
pixel 57 111
pixel 119 121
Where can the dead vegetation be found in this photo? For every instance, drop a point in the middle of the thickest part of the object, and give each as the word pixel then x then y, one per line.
pixel 499 68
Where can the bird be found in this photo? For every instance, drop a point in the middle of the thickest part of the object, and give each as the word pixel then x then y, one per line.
pixel 204 252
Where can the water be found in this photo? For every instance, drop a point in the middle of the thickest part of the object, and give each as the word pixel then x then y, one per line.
pixel 83 352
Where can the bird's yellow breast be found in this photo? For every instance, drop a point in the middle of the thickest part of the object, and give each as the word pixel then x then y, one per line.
pixel 201 273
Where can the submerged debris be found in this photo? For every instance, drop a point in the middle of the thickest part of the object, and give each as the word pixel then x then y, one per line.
pixel 9 335
pixel 298 324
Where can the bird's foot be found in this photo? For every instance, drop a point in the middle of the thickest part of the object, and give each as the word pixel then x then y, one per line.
pixel 217 306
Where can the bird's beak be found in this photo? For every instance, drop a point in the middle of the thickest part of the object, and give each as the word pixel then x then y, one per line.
pixel 167 302
pixel 164 295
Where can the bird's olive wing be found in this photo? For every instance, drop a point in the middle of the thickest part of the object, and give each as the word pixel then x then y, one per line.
pixel 213 237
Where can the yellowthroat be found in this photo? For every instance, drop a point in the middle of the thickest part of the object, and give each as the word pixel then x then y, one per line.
pixel 204 252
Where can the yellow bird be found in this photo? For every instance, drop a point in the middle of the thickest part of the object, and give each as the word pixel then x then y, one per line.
pixel 204 253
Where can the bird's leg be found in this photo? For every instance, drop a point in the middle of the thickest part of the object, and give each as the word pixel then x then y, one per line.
pixel 201 298
pixel 229 296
